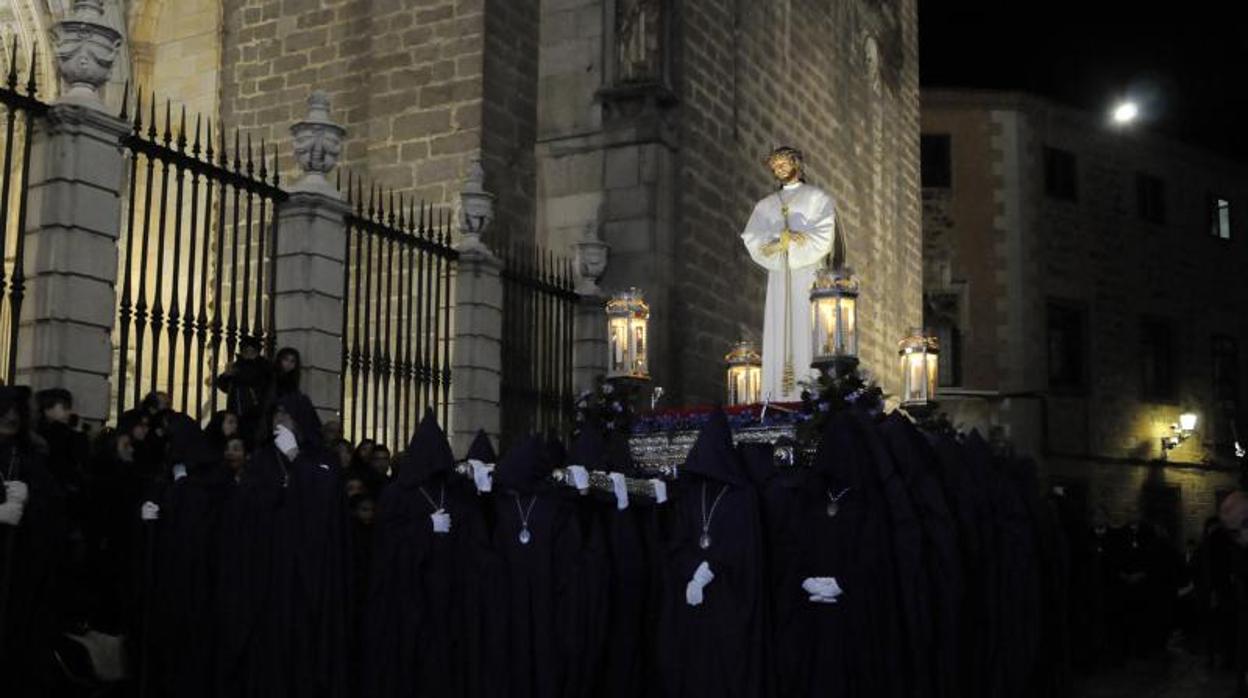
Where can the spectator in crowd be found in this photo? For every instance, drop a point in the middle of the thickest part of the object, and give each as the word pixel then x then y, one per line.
pixel 343 449
pixel 235 456
pixel 32 546
pixel 221 428
pixel 287 369
pixel 246 383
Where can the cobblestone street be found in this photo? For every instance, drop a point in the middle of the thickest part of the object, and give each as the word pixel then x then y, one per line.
pixel 1177 674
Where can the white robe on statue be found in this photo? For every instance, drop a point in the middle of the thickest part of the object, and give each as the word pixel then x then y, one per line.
pixel 786 322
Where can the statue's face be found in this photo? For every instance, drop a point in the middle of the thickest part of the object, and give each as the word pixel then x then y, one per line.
pixel 784 168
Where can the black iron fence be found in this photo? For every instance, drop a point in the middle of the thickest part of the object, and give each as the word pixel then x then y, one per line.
pixel 197 255
pixel 539 308
pixel 21 107
pixel 396 348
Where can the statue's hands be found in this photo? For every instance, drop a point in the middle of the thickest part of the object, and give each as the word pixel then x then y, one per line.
pixel 782 242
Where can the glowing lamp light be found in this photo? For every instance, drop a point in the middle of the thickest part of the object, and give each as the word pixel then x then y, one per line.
pixel 920 368
pixel 1125 113
pixel 1187 422
pixel 627 317
pixel 834 317
pixel 1179 432
pixel 745 374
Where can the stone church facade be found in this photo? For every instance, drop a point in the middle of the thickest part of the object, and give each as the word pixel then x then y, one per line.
pixel 639 122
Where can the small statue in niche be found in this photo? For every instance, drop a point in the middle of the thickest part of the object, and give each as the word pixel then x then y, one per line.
pixel 638 40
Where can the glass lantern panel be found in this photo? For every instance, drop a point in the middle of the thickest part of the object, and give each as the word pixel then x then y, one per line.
pixel 619 345
pixel 933 374
pixel 849 330
pixel 639 347
pixel 823 318
pixel 914 374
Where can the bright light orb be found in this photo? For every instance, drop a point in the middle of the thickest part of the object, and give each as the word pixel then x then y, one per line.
pixel 1126 112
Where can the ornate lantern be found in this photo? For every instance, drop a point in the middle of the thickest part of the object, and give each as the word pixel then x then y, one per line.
pixel 627 315
pixel 920 356
pixel 834 318
pixel 745 374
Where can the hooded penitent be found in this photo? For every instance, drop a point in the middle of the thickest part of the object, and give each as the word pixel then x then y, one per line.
pixel 184 611
pixel 916 462
pixel 539 538
pixel 423 624
pixel 714 648
pixel 838 528
pixel 285 604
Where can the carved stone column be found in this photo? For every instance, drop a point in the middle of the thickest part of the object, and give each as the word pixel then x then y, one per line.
pixel 311 256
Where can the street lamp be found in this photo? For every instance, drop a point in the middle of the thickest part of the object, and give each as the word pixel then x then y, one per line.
pixel 1125 113
pixel 1179 432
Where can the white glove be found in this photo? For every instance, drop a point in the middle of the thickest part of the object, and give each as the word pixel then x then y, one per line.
pixel 579 477
pixel 150 511
pixel 620 486
pixel 822 589
pixel 179 472
pixel 286 442
pixel 701 577
pixel 481 473
pixel 16 491
pixel 441 521
pixel 660 491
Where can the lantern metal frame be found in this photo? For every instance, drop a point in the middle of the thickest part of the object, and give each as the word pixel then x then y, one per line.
pixel 834 320
pixel 919 351
pixel 744 363
pixel 628 359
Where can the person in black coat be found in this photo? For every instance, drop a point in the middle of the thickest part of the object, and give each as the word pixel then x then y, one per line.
pixel 713 627
pixel 284 619
pixel 247 384
pixel 422 624
pixel 33 538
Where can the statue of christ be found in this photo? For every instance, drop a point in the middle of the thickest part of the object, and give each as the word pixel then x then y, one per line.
pixel 789 234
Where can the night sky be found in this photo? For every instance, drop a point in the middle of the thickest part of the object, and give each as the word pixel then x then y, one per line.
pixel 1187 67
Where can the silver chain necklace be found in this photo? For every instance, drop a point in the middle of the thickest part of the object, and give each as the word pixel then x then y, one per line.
pixel 704 541
pixel 834 502
pixel 441 497
pixel 525 536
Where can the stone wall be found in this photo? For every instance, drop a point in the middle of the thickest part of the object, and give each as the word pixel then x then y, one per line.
pixel 407 80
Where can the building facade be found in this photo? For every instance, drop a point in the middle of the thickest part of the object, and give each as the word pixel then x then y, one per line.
pixel 1086 282
pixel 640 123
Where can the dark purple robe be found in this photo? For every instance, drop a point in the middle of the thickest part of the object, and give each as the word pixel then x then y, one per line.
pixel 715 648
pixel 285 573
pixel 422 627
pixel 540 577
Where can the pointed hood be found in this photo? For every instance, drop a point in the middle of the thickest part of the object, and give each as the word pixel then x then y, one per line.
pixel 524 468
pixel 428 453
pixel 482 449
pixel 617 456
pixel 556 454
pixel 841 457
pixel 588 449
pixel 713 456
